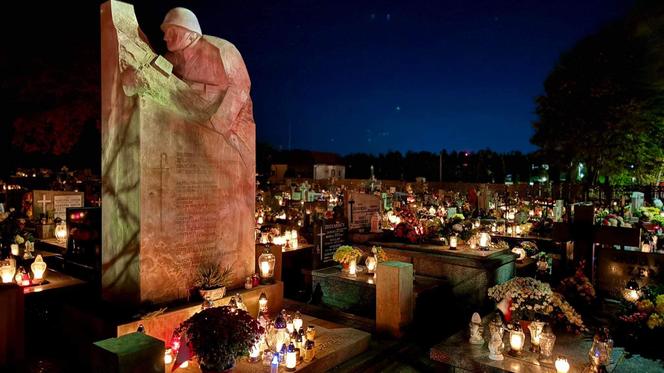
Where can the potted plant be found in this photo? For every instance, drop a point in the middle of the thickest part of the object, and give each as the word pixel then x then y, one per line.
pixel 217 336
pixel 346 254
pixel 211 280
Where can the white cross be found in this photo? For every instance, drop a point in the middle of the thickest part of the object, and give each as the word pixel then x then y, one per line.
pixel 43 202
pixel 321 235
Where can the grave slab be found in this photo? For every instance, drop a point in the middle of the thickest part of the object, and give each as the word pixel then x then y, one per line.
pixel 460 356
pixel 468 273
pixel 335 344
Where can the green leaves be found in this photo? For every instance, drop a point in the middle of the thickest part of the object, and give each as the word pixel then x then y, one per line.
pixel 602 104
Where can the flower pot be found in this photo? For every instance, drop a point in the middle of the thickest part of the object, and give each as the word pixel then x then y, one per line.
pixel 345 266
pixel 213 294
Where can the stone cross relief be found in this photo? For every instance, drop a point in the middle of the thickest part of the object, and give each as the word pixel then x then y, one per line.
pixel 43 202
pixel 321 235
pixel 163 167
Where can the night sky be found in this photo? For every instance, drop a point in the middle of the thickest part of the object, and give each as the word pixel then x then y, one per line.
pixel 373 76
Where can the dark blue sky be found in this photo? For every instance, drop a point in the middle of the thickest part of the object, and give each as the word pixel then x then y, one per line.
pixel 372 76
pixel 402 75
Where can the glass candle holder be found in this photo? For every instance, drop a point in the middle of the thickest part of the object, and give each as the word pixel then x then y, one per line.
pixel 535 328
pixel 7 272
pixel 352 268
pixel 453 243
pixel 266 262
pixel 632 292
pixel 485 240
pixel 291 358
pixel 371 263
pixel 600 351
pixel 547 341
pixel 517 340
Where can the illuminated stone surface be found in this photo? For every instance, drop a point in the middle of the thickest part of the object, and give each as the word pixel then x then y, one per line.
pixel 178 165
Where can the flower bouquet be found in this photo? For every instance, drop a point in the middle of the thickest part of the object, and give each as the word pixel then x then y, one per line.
pixel 217 336
pixel 578 289
pixel 346 254
pixel 642 322
pixel 379 253
pixel 524 298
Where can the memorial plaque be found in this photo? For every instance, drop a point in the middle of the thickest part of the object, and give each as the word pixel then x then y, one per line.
pixel 329 237
pixel 360 208
pixel 179 177
pixel 56 201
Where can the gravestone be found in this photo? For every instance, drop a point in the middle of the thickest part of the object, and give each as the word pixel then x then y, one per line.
pixel 637 201
pixel 56 201
pixel 329 236
pixel 360 207
pixel 178 165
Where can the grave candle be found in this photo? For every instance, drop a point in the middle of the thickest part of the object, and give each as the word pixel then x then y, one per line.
pixel 631 292
pixel 14 249
pixel 453 243
pixel 254 353
pixel 25 280
pixel 517 230
pixel 352 268
pixel 262 303
pixel 562 365
pixel 517 340
pixel 484 240
pixel 7 273
pixel 294 243
pixel 509 231
pixel 60 232
pixel 38 268
pixel 297 321
pixel 168 356
pixel 274 366
pixel 291 358
pixel 289 325
pixel 266 263
pixel 371 262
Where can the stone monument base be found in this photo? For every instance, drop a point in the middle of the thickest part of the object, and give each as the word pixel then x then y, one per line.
pixel 162 325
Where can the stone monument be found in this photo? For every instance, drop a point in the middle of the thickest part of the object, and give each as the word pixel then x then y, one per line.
pixel 178 158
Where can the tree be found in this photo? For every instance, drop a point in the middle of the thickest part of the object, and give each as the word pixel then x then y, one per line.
pixel 602 104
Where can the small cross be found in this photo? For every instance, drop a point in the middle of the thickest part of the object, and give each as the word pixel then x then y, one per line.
pixel 43 202
pixel 321 235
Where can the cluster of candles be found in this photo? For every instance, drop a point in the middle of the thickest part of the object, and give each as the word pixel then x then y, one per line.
pixel 484 240
pixel 288 343
pixel 9 272
pixel 541 340
pixel 287 240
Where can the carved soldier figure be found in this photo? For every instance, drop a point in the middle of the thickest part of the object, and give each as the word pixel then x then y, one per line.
pixel 214 68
